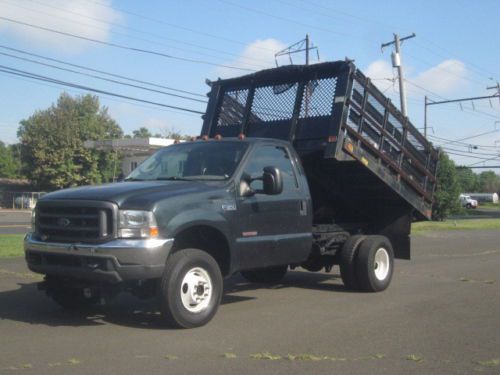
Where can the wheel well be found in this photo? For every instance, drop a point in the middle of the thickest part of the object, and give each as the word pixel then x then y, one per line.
pixel 207 239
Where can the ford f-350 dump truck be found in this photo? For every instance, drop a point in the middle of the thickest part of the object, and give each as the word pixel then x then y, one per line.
pixel 297 166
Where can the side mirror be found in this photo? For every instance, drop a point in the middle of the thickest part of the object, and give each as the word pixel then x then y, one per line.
pixel 272 181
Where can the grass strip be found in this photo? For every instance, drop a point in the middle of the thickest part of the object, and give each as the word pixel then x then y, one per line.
pixel 11 245
pixel 472 224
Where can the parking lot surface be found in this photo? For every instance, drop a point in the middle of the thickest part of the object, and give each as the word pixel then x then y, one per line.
pixel 15 221
pixel 441 315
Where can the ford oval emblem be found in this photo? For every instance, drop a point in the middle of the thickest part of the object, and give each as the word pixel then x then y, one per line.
pixel 63 222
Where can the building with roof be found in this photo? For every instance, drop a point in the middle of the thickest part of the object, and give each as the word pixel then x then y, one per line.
pixel 133 150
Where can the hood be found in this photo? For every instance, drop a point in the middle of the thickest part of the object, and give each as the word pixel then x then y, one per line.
pixel 134 194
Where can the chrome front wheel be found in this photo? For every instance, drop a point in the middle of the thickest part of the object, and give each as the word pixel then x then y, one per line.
pixel 196 290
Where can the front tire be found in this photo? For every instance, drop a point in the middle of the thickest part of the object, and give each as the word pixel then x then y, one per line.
pixel 375 264
pixel 269 275
pixel 191 289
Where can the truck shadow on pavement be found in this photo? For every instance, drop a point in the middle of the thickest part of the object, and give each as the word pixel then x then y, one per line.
pixel 26 304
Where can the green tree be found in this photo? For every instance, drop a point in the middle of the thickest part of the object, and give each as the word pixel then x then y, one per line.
pixel 447 190
pixel 468 180
pixel 52 143
pixel 489 182
pixel 173 133
pixel 142 133
pixel 10 164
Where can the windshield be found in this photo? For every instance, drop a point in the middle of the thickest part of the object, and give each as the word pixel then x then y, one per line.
pixel 191 161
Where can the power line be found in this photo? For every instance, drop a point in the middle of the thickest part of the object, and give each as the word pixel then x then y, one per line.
pixel 124 47
pixel 162 22
pixel 349 15
pixel 137 31
pixel 473 136
pixel 445 99
pixel 483 167
pixel 479 162
pixel 496 87
pixel 309 26
pixel 22 73
pixel 303 45
pixel 466 152
pixel 461 143
pixel 392 27
pixel 102 78
pixel 473 157
pixel 100 71
pixel 464 99
pixel 446 70
pixel 473 110
pixel 470 63
pixel 78 91
pixel 468 111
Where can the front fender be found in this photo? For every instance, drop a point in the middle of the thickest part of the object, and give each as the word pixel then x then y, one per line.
pixel 196 217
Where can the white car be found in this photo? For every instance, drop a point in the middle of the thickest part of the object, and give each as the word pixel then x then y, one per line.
pixel 467 202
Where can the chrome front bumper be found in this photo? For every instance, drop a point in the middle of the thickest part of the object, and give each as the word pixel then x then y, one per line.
pixel 114 261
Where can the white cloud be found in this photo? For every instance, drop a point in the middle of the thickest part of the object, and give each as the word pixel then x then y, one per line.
pixel 380 72
pixel 79 17
pixel 257 55
pixel 442 79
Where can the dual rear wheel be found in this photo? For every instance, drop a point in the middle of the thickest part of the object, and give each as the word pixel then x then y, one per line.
pixel 367 263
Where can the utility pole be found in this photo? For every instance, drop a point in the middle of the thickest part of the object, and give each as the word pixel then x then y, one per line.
pixel 306 46
pixel 425 117
pixel 497 87
pixel 307 50
pixel 307 98
pixel 397 63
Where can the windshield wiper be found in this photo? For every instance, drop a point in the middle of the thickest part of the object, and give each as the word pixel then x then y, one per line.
pixel 134 179
pixel 172 178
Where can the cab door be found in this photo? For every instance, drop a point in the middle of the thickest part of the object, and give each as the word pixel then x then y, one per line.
pixel 273 229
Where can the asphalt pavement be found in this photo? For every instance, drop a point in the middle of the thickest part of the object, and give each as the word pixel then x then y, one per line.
pixel 441 315
pixel 15 221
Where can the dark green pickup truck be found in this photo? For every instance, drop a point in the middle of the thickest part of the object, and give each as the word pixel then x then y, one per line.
pixel 298 166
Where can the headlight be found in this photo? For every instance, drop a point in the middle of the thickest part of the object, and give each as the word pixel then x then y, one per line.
pixel 137 224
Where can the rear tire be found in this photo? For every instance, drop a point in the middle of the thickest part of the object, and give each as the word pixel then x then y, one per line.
pixel 190 289
pixel 347 262
pixel 269 275
pixel 375 264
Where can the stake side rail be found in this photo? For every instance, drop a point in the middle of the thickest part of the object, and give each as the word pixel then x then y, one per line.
pixel 331 108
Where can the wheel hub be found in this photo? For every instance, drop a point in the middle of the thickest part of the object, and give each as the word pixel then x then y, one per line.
pixel 196 290
pixel 381 264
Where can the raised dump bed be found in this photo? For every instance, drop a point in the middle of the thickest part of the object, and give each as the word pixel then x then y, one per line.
pixel 355 145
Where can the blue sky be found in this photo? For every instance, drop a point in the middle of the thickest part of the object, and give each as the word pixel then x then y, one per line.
pixel 454 55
